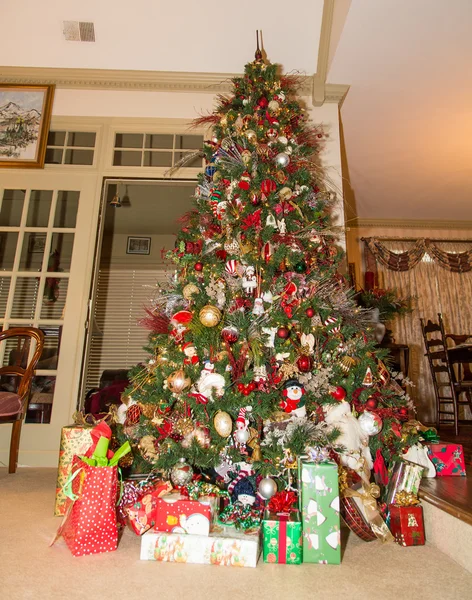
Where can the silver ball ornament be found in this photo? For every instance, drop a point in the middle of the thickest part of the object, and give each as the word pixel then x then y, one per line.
pixel 282 159
pixel 267 487
pixel 181 473
pixel 283 140
pixel 241 435
pixel 370 423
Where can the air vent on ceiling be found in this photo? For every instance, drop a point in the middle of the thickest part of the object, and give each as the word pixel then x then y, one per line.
pixel 78 31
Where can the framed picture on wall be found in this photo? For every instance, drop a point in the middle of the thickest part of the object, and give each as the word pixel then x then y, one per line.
pixel 36 243
pixel 25 115
pixel 138 245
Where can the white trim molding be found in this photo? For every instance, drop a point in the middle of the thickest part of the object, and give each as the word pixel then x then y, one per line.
pixel 111 79
pixel 409 224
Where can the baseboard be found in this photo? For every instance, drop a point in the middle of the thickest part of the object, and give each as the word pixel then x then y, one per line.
pixel 32 458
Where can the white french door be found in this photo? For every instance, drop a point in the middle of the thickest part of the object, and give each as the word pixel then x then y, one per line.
pixel 48 223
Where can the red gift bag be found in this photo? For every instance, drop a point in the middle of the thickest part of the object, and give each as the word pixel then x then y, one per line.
pixel 89 526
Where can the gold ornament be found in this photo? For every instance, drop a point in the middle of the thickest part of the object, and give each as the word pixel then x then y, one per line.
pixel 189 290
pixel 223 423
pixel 224 121
pixel 251 136
pixel 285 194
pixel 210 316
pixel 346 363
pixel 184 426
pixel 274 107
pixel 147 448
pixel 217 176
pixel 177 381
pixel 148 410
pixel 246 156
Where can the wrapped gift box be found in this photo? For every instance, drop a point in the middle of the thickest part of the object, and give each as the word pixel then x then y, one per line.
pixel 319 506
pixel 448 459
pixel 175 514
pixel 225 548
pixel 406 525
pixel 141 514
pixel 404 476
pixel 75 440
pixel 282 540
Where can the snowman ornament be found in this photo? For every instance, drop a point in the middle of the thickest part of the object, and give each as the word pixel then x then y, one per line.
pixel 293 401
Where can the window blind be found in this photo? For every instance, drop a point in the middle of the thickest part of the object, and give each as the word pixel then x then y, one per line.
pixel 117 338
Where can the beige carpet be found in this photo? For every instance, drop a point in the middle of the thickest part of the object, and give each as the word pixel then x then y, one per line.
pixel 29 569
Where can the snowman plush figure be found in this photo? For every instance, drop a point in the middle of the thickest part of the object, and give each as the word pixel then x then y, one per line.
pixel 293 401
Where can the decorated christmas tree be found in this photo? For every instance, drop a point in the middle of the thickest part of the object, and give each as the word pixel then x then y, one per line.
pixel 257 351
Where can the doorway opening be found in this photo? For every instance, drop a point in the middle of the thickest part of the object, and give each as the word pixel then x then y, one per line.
pixel 138 226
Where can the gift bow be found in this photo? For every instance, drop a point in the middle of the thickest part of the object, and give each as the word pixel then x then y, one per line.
pixel 282 502
pixel 405 498
pixel 367 495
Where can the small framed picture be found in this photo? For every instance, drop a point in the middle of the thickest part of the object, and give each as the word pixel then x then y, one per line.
pixel 25 115
pixel 138 245
pixel 36 243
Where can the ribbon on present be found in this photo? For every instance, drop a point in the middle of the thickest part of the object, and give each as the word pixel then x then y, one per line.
pixel 405 498
pixel 282 503
pixel 242 516
pixel 282 552
pixel 368 493
pixel 317 454
pixel 195 489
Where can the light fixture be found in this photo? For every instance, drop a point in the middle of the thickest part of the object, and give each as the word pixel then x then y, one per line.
pixel 116 202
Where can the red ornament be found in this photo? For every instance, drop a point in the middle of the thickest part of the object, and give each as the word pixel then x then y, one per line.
pixel 403 411
pixel 133 414
pixel 268 186
pixel 230 334
pixel 310 312
pixel 198 266
pixel 252 386
pixel 339 393
pixel 371 403
pixel 262 102
pixel 245 182
pixel 283 333
pixel 305 363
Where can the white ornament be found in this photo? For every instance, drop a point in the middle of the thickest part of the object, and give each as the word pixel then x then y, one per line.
pixel 241 435
pixel 267 487
pixel 308 341
pixel 211 383
pixel 258 309
pixel 370 423
pixel 270 332
pixel 268 297
pixel 249 280
pixel 270 221
pixel 282 227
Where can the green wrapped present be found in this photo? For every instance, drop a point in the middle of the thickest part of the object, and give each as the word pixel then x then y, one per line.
pixel 282 538
pixel 319 506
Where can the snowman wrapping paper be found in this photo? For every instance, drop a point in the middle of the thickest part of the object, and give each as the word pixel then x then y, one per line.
pixel 319 507
pixel 177 515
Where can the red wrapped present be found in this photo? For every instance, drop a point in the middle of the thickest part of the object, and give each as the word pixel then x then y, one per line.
pixel 406 525
pixel 142 513
pixel 448 459
pixel 177 515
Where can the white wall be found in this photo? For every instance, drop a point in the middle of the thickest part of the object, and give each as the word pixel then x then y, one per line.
pixel 114 254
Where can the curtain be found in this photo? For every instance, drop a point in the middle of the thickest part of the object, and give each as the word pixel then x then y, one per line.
pixel 436 290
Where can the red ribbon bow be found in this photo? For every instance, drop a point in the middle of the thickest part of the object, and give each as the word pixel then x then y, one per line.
pixel 282 502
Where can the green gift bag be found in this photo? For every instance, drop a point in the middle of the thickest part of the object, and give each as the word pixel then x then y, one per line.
pixel 282 538
pixel 319 507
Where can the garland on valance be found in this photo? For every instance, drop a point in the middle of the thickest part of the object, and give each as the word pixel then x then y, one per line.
pixel 459 262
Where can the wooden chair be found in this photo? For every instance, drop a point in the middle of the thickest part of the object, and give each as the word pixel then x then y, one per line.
pixel 447 387
pixel 14 404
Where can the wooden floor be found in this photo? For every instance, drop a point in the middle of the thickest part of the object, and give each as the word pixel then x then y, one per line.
pixel 453 494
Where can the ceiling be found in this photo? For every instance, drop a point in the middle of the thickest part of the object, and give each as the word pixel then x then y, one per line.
pixel 407 118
